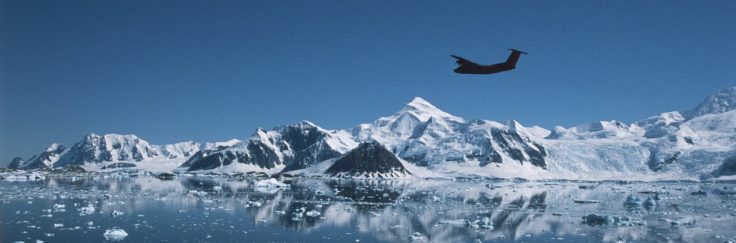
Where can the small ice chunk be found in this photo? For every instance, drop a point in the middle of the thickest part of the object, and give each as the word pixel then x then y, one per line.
pixel 89 209
pixel 633 200
pixel 418 237
pixel 116 213
pixel 485 223
pixel 684 221
pixel 58 225
pixel 453 222
pixel 115 234
pixel 59 206
pixel 613 220
pixel 313 213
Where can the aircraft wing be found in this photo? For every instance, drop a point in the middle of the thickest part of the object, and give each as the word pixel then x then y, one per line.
pixel 463 61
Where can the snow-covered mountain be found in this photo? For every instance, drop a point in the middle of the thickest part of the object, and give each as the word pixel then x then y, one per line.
pixel 282 148
pixel 100 149
pixel 673 145
pixel 42 160
pixel 599 129
pixel 667 146
pixel 109 147
pixel 427 136
pixel 693 144
pixel 722 101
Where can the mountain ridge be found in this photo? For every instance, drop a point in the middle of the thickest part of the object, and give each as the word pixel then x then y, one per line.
pixel 687 144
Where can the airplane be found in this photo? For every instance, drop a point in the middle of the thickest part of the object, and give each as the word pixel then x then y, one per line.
pixel 468 67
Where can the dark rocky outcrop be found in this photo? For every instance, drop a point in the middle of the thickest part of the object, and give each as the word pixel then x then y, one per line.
pixel 727 168
pixel 368 158
pixel 15 163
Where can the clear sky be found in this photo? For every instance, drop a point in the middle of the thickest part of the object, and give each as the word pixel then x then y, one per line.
pixel 173 71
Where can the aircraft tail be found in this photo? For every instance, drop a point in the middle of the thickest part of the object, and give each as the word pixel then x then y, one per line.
pixel 514 57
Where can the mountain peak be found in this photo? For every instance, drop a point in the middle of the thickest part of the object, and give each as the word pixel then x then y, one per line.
pixel 423 110
pixel 419 101
pixel 54 147
pixel 722 101
pixel 306 124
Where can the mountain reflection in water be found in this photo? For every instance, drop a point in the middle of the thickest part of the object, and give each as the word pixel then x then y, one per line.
pixel 346 210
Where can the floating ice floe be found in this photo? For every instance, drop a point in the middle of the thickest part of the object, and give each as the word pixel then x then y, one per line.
pixel 115 234
pixel 418 237
pixel 453 222
pixel 89 209
pixel 23 176
pixel 482 223
pixel 633 200
pixel 612 220
pixel 270 185
pixel 116 213
pixel 298 214
pixel 681 221
pixel 312 213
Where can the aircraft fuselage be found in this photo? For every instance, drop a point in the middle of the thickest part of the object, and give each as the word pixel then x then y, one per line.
pixel 484 69
pixel 469 67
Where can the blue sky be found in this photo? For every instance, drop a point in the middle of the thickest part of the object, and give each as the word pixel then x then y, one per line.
pixel 172 71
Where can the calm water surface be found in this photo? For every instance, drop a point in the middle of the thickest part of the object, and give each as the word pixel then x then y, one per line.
pixel 219 209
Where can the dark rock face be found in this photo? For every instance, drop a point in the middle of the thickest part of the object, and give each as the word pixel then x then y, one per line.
pixel 727 168
pixel 84 151
pixel 43 159
pixel 368 157
pixel 17 161
pixel 515 146
pixel 296 146
pixel 119 165
pixel 310 156
pixel 486 154
pixel 210 159
pixel 656 164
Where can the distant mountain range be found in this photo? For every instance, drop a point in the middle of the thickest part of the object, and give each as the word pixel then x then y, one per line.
pixel 421 140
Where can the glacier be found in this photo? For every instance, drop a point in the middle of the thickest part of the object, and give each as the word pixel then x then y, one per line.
pixel 425 141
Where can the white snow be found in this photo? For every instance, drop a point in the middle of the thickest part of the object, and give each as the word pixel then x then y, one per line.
pixel 270 185
pixel 312 213
pixel 686 145
pixel 115 234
